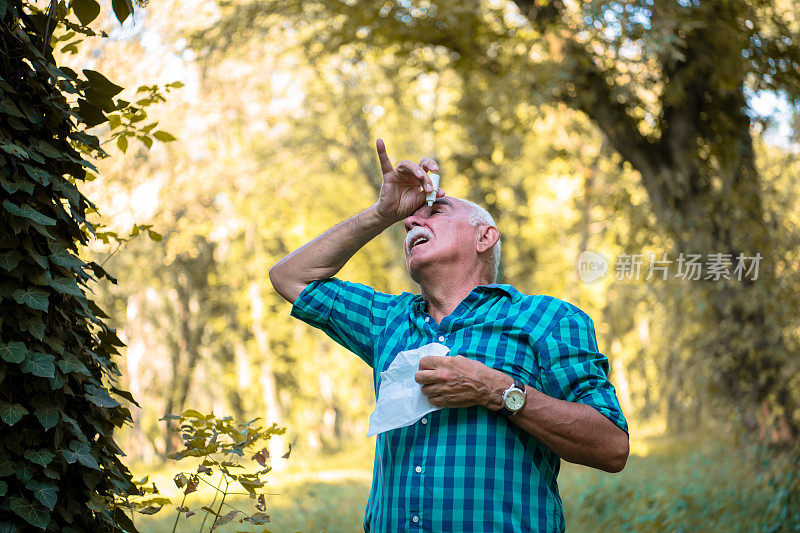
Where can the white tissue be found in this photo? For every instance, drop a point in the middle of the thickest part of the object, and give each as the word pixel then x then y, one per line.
pixel 400 399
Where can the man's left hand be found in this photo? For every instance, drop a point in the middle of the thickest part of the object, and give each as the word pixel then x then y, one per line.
pixel 457 381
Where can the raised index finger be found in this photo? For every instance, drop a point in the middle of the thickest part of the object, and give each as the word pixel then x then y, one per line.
pixel 383 157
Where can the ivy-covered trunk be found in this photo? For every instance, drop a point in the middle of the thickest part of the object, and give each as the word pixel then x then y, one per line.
pixel 59 464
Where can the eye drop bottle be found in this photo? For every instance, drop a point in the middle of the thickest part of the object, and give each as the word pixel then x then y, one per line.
pixel 431 196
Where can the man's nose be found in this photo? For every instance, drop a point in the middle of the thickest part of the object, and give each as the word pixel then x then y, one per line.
pixel 413 220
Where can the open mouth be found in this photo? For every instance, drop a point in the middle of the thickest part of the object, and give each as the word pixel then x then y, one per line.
pixel 418 240
pixel 416 237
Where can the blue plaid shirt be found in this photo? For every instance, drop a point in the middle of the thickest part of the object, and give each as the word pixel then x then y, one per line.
pixel 467 469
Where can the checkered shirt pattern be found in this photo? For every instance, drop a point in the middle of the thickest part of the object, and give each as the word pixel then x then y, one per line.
pixel 467 469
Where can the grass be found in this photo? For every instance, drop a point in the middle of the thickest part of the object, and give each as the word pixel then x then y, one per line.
pixel 682 484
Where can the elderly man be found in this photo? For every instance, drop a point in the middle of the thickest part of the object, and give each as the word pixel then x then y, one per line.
pixel 527 386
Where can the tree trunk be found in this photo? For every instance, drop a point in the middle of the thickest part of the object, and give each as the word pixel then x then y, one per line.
pixel 266 375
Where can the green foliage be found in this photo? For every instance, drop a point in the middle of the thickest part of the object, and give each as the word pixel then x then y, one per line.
pixel 221 446
pixel 686 484
pixel 667 85
pixel 57 452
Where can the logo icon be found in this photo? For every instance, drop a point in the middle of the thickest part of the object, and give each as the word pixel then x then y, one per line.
pixel 591 266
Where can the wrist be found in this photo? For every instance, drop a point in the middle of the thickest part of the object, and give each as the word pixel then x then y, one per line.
pixel 382 220
pixel 497 383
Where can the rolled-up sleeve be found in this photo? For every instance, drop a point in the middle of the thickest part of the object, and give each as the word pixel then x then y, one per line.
pixel 349 313
pixel 572 368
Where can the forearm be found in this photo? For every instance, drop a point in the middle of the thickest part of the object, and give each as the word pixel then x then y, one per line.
pixel 576 432
pixel 325 255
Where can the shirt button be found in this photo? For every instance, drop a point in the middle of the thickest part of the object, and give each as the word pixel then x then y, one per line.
pixel 441 338
pixel 424 420
pixel 415 519
pixel 418 470
pixel 427 319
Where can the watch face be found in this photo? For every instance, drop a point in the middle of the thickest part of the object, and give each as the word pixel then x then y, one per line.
pixel 514 400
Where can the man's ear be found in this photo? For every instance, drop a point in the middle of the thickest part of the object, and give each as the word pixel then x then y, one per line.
pixel 489 235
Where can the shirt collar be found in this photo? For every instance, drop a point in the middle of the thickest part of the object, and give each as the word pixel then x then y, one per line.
pixel 510 290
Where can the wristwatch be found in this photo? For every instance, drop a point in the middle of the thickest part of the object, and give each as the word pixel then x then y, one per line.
pixel 513 398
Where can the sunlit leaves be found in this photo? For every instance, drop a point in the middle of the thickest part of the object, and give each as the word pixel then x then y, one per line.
pixel 222 444
pixel 224 519
pixel 122 9
pixel 100 85
pixel 85 10
pixel 164 136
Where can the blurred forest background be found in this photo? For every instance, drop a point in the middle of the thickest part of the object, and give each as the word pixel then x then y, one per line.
pixel 630 127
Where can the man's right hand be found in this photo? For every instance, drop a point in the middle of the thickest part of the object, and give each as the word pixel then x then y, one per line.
pixel 325 255
pixel 400 191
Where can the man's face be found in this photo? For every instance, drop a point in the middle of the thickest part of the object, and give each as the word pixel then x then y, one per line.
pixel 440 233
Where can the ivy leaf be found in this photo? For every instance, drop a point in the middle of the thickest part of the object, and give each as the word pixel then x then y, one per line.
pixel 34 326
pixel 79 451
pixel 40 260
pixel 7 466
pixel 10 108
pixel 85 10
pixel 100 397
pixel 125 394
pixel 11 413
pixel 3 488
pixel 48 416
pixel 13 352
pixel 40 457
pixel 13 149
pixel 39 364
pixel 32 297
pixel 46 149
pixel 67 286
pixel 90 113
pixel 65 259
pixel 10 259
pixel 38 174
pixel 32 512
pixel 29 213
pixel 72 364
pixel 44 492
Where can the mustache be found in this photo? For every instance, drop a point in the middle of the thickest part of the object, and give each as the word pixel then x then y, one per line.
pixel 415 232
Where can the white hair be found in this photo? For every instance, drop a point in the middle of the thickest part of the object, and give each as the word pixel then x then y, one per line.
pixel 479 215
